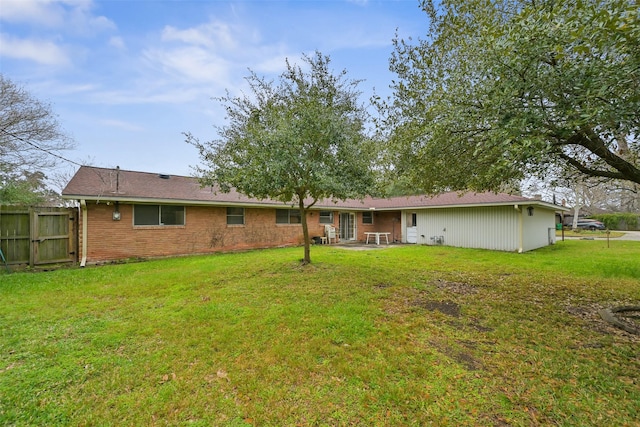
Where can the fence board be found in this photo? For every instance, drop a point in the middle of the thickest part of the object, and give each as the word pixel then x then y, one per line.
pixel 14 234
pixel 51 240
pixel 37 235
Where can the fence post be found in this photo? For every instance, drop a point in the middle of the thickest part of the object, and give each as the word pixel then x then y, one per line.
pixel 33 235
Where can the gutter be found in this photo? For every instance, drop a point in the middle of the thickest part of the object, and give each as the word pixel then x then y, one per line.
pixel 185 202
pixel 322 205
pixel 83 207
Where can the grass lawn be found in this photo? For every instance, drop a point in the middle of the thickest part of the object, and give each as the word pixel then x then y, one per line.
pixel 411 335
pixel 598 234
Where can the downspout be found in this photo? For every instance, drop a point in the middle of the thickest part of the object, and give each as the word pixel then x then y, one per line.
pixel 83 207
pixel 520 228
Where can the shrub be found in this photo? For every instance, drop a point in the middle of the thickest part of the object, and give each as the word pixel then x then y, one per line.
pixel 619 221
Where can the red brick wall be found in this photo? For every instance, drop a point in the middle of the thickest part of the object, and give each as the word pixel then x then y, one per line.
pixel 388 222
pixel 205 231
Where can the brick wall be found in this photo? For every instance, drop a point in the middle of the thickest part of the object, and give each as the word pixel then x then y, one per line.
pixel 205 231
pixel 388 222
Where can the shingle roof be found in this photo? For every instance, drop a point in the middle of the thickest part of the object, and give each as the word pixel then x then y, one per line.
pixel 92 183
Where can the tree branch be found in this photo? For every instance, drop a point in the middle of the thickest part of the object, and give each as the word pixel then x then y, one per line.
pixel 590 140
pixel 591 172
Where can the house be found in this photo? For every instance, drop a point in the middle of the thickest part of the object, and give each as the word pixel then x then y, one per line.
pixel 127 214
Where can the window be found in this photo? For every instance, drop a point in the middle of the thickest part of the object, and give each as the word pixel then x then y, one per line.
pixel 158 215
pixel 235 216
pixel 288 216
pixel 367 217
pixel 413 220
pixel 326 217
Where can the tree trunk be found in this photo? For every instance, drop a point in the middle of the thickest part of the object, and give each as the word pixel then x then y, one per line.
pixel 305 232
pixel 576 212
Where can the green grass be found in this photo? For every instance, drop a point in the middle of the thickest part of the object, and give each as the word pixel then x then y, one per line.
pixel 401 336
pixel 598 234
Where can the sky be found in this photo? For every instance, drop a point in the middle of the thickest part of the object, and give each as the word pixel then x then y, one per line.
pixel 126 78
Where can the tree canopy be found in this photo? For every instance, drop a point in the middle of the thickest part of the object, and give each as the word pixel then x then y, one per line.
pixel 502 90
pixel 31 141
pixel 298 141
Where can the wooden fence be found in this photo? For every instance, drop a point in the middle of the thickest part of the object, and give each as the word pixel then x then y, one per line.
pixel 38 235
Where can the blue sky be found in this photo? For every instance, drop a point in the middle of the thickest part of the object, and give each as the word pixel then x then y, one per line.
pixel 127 78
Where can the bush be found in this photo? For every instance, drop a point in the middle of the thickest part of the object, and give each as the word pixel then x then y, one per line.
pixel 619 221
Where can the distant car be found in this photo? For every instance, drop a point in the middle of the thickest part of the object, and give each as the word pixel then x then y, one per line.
pixel 590 224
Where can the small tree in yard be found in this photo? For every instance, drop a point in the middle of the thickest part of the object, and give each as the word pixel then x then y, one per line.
pixel 300 141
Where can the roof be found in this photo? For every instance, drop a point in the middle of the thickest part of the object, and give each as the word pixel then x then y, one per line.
pixel 103 184
pixel 92 183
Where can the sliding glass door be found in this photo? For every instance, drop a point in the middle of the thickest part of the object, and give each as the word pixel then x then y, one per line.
pixel 348 226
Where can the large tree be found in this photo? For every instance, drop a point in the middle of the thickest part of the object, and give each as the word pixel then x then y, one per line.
pixel 297 141
pixel 31 142
pixel 501 90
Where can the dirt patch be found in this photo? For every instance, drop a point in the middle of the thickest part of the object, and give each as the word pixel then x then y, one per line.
pixel 458 355
pixel 455 287
pixel 626 318
pixel 383 285
pixel 632 315
pixel 449 308
pixel 475 325
pixel 590 314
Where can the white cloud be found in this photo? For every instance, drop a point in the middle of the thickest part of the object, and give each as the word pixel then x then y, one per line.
pixel 41 51
pixel 156 94
pixel 275 64
pixel 213 35
pixel 66 89
pixel 117 42
pixel 71 15
pixel 191 63
pixel 31 11
pixel 216 53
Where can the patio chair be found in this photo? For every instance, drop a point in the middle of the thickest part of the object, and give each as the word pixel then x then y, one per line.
pixel 330 233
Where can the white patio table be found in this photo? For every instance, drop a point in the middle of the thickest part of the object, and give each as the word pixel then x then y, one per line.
pixel 377 235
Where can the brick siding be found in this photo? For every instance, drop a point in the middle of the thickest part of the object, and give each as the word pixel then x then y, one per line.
pixel 386 221
pixel 205 231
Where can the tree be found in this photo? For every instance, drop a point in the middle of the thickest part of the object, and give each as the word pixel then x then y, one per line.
pixel 298 142
pixel 507 89
pixel 31 140
pixel 27 188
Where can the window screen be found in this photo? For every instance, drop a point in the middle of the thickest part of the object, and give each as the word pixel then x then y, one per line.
pixel 367 217
pixel 235 216
pixel 326 217
pixel 146 215
pixel 288 216
pixel 172 215
pixel 158 215
pixel 295 217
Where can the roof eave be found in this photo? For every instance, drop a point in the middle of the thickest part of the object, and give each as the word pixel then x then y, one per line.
pixel 186 202
pixel 274 204
pixel 550 206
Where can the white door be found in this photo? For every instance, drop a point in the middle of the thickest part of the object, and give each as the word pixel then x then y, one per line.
pixel 412 229
pixel 412 234
pixel 347 226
